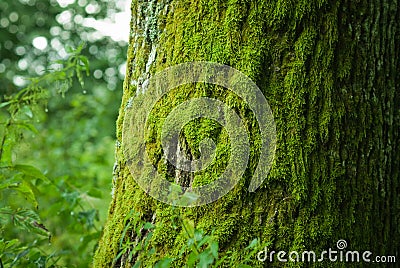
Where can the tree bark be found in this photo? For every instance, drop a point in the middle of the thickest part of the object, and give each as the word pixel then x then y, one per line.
pixel 330 71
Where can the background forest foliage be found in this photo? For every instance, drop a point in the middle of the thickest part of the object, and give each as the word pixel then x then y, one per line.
pixel 57 119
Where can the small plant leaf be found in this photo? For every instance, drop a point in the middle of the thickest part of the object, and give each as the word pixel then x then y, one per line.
pixel 31 171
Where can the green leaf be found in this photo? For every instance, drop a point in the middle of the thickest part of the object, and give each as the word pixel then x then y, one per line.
pixel 198 235
pixel 85 240
pixel 5 212
pixel 29 127
pixel 95 193
pixel 220 261
pixel 126 228
pixel 164 263
pixel 27 192
pixel 192 259
pixel 69 49
pixel 27 111
pixel 88 217
pixel 4 104
pixel 25 188
pixel 63 87
pixel 72 198
pixel 205 259
pixel 85 61
pixel 26 219
pixel 148 225
pixel 31 171
pixel 189 227
pixel 214 249
pixel 119 255
pixel 252 244
pixel 137 264
pixel 8 244
pixel 7 184
pixel 19 256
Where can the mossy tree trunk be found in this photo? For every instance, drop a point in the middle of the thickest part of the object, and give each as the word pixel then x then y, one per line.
pixel 330 71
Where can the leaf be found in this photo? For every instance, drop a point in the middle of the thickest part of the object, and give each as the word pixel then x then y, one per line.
pixel 203 241
pixel 88 217
pixel 252 244
pixel 85 240
pixel 137 264
pixel 95 193
pixel 4 104
pixel 5 212
pixel 63 87
pixel 126 228
pixel 148 225
pixel 164 263
pixel 149 235
pixel 8 244
pixel 26 219
pixel 27 111
pixel 79 75
pixel 189 227
pixel 27 192
pixel 220 261
pixel 20 256
pixel 31 171
pixel 214 249
pixel 205 259
pixel 78 50
pixel 192 259
pixel 85 61
pixel 119 255
pixel 190 242
pixel 72 198
pixel 198 235
pixel 69 49
pixel 7 184
pixel 29 127
pixel 25 188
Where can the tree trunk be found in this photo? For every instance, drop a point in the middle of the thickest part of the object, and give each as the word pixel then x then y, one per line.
pixel 329 71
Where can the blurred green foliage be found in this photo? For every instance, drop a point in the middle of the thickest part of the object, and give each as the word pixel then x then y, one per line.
pixel 57 150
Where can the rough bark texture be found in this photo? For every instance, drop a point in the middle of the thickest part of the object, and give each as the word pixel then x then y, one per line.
pixel 329 70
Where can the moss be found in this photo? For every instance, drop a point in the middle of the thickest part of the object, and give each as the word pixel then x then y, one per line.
pixel 329 72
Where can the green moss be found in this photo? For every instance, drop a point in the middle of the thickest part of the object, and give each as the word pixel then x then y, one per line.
pixel 330 83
